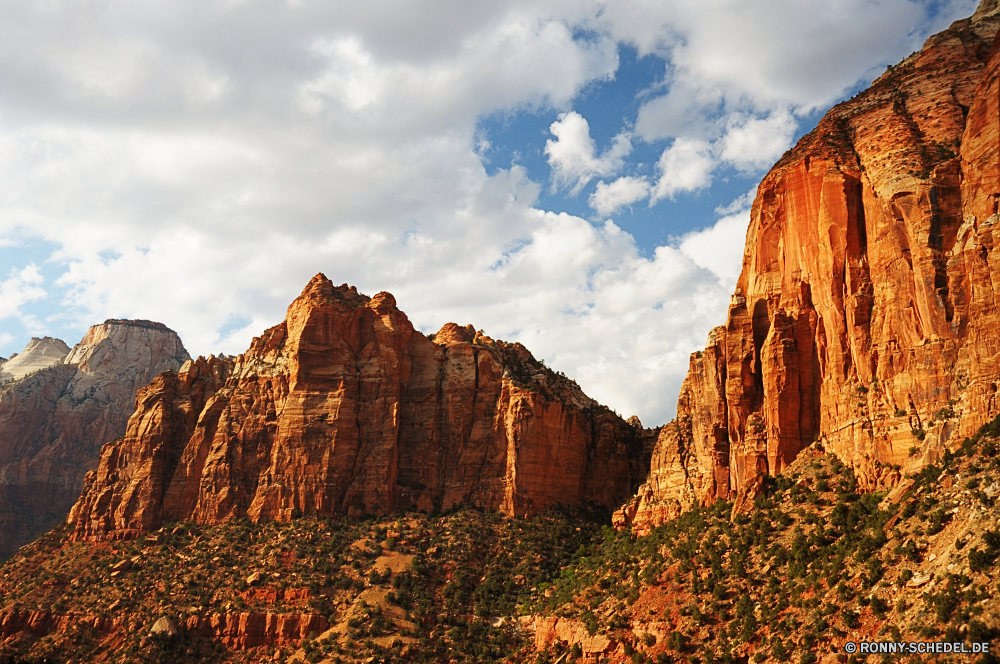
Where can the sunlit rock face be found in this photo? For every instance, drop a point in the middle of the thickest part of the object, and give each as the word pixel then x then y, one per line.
pixel 54 418
pixel 344 408
pixel 865 318
pixel 39 354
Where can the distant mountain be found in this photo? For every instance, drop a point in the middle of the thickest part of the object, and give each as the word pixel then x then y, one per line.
pixel 39 354
pixel 60 407
pixel 336 493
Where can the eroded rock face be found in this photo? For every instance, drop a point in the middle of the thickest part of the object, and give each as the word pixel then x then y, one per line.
pixel 54 421
pixel 568 631
pixel 238 631
pixel 865 318
pixel 344 408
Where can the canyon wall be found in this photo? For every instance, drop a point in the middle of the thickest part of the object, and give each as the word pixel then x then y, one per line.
pixel 345 408
pixel 54 418
pixel 865 318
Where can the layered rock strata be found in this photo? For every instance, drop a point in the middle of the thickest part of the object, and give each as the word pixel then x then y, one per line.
pixel 344 408
pixel 865 318
pixel 54 421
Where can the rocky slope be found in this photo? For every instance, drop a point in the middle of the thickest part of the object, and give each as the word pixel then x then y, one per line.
pixel 865 316
pixel 38 354
pixel 54 421
pixel 413 588
pixel 818 564
pixel 344 408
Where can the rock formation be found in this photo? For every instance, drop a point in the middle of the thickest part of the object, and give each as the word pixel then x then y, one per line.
pixel 865 318
pixel 54 421
pixel 39 354
pixel 234 630
pixel 344 408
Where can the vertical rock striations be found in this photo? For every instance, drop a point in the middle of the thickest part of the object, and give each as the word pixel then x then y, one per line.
pixel 344 408
pixel 54 420
pixel 865 317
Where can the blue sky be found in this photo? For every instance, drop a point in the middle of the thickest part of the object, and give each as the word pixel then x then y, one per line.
pixel 571 174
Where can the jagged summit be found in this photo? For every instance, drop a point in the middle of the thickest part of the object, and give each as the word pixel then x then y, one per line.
pixel 346 409
pixel 320 289
pixel 986 9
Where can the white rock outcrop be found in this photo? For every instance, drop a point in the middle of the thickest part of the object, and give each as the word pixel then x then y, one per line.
pixel 40 353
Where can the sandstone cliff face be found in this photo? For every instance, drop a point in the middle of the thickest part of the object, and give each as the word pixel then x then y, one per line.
pixel 53 422
pixel 39 354
pixel 239 631
pixel 865 318
pixel 344 408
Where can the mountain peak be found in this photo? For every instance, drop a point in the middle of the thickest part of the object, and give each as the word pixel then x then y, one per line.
pixel 320 290
pixel 40 353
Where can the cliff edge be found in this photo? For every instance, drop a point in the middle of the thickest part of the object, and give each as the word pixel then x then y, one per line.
pixel 865 318
pixel 344 408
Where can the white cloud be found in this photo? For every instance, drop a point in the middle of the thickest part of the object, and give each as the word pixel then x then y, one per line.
pixel 752 143
pixel 6 339
pixel 351 77
pixel 774 54
pixel 686 165
pixel 198 162
pixel 685 109
pixel 719 248
pixel 738 204
pixel 573 156
pixel 21 287
pixel 607 198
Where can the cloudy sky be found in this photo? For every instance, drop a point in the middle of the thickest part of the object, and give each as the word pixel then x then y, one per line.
pixel 571 174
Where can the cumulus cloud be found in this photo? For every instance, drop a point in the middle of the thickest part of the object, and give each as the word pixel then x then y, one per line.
pixel 752 143
pixel 197 162
pixel 573 155
pixel 686 165
pixel 351 77
pixel 607 198
pixel 785 52
pixel 719 248
pixel 738 73
pixel 20 288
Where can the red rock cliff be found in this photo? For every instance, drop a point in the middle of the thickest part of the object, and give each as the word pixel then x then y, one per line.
pixel 54 421
pixel 344 408
pixel 865 316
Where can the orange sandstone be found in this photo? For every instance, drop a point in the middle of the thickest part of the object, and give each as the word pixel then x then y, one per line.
pixel 865 318
pixel 344 408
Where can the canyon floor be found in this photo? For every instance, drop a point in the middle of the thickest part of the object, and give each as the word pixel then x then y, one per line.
pixel 815 564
